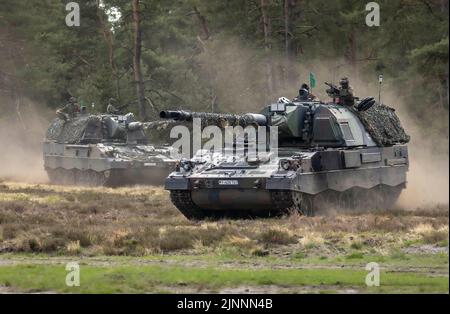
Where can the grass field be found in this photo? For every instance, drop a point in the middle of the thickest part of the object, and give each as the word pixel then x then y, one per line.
pixel 133 240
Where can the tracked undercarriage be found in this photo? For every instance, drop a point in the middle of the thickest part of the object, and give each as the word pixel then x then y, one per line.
pixel 112 178
pixel 286 202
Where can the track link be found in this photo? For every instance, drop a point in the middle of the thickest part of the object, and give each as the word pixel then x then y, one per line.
pixel 89 178
pixel 284 201
pixel 281 200
pixel 183 201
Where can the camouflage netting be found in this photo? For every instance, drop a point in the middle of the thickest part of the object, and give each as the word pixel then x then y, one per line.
pixel 207 118
pixel 383 125
pixel 158 132
pixel 70 132
pixel 218 119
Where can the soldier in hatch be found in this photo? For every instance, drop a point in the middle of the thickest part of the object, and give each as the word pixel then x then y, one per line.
pixel 83 110
pixel 113 108
pixel 343 94
pixel 69 110
pixel 304 94
pixel 346 96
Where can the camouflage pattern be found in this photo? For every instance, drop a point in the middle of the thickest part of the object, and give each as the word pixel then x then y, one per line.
pixel 217 119
pixel 69 110
pixel 72 131
pixel 327 158
pixel 104 150
pixel 383 125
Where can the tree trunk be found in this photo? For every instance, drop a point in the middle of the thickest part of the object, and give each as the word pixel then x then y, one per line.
pixel 267 47
pixel 140 89
pixel 289 5
pixel 107 35
pixel 287 16
pixel 203 23
pixel 352 54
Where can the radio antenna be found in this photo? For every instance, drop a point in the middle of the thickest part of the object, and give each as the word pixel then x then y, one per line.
pixel 380 81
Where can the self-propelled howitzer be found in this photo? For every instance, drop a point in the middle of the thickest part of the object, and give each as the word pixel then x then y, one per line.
pixel 104 149
pixel 329 156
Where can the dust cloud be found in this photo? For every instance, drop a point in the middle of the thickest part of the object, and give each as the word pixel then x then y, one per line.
pixel 22 130
pixel 237 75
pixel 428 177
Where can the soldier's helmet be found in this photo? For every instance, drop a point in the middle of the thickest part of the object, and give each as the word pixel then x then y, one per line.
pixel 344 82
pixel 304 86
pixel 72 99
pixel 112 101
pixel 303 94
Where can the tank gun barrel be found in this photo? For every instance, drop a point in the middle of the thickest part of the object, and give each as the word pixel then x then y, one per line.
pixel 219 119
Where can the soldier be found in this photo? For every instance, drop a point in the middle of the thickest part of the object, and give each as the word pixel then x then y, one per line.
pixel 304 94
pixel 83 110
pixel 69 110
pixel 113 108
pixel 346 97
pixel 343 94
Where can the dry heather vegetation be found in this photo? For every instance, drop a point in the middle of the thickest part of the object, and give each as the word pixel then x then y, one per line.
pixel 134 240
pixel 139 221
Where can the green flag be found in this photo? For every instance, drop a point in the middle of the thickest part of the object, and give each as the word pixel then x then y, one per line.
pixel 312 80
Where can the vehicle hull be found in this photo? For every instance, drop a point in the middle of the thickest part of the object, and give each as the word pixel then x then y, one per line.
pixel 88 165
pixel 367 183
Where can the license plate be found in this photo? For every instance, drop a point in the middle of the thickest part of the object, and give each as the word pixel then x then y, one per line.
pixel 228 182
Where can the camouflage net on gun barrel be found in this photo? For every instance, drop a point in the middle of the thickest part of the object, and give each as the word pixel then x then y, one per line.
pixel 218 119
pixel 158 132
pixel 383 125
pixel 70 132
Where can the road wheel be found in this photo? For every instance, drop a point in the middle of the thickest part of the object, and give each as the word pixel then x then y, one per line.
pixel 325 201
pixel 53 176
pixel 303 203
pixel 390 195
pixel 345 200
pixel 375 196
pixel 362 199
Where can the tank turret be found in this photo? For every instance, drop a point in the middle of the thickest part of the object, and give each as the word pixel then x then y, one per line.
pixel 313 124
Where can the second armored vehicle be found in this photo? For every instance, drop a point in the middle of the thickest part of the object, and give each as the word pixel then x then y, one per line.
pixel 104 149
pixel 329 157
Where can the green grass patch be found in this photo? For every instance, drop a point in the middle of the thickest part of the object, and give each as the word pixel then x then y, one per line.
pixel 356 255
pixel 135 279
